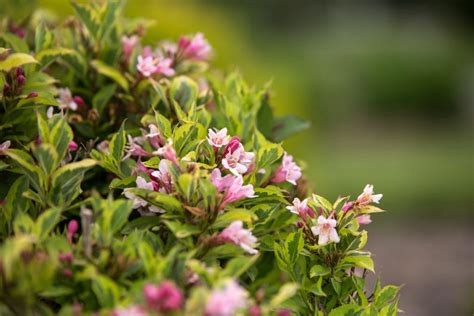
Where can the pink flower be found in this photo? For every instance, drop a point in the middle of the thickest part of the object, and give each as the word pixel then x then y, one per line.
pixel 347 206
pixel 66 100
pixel 326 229
pixel 163 298
pixel 236 159
pixel 284 312
pixel 195 48
pixel 368 196
pixel 255 310
pixel 301 208
pixel 4 146
pixel 288 171
pixel 364 219
pixel 72 228
pixel 218 138
pixel 227 300
pixel 133 310
pixel 168 152
pixel 231 186
pixel 164 176
pixel 72 146
pixel 236 233
pixel 103 146
pixel 134 149
pixel 154 136
pixel 66 257
pixel 128 44
pixel 142 184
pixel 150 65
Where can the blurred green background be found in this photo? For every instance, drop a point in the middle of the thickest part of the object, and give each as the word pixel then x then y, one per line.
pixel 389 89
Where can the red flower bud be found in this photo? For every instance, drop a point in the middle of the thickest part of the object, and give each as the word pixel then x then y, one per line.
pixel 32 95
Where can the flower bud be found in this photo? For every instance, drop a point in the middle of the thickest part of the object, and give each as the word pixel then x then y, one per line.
pixel 163 298
pixel 66 257
pixel 32 95
pixel 79 101
pixel 72 146
pixel 19 72
pixel 255 310
pixel 300 224
pixel 67 273
pixel 20 80
pixel 347 206
pixel 6 89
pixel 72 228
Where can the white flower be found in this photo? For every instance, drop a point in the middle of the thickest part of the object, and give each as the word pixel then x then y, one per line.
pixel 137 201
pixel 298 206
pixel 238 235
pixel 66 100
pixel 368 196
pixel 238 161
pixel 326 229
pixel 218 138
pixel 164 176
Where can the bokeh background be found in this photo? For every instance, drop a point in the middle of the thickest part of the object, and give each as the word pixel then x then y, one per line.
pixel 389 89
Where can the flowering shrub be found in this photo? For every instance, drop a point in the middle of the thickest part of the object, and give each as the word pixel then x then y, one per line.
pixel 136 182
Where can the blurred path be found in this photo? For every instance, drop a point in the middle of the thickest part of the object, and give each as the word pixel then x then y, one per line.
pixel 435 262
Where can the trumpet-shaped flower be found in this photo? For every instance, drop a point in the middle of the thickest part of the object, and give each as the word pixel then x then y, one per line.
pixel 194 48
pixel 142 184
pixel 368 196
pixel 231 186
pixel 326 230
pixel 134 149
pixel 364 219
pixel 149 65
pixel 236 233
pixel 168 152
pixel 236 159
pixel 218 138
pixel 65 99
pixel 227 300
pixel 4 146
pixel 154 136
pixel 288 171
pixel 301 208
pixel 128 44
pixel 163 298
pixel 163 175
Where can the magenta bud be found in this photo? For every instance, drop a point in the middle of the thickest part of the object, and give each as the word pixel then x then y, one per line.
pixel 67 273
pixel 255 310
pixel 310 212
pixel 300 224
pixel 79 101
pixel 163 298
pixel 66 257
pixel 347 206
pixel 20 80
pixel 284 312
pixel 32 95
pixel 72 146
pixel 72 228
pixel 6 89
pixel 232 146
pixel 19 72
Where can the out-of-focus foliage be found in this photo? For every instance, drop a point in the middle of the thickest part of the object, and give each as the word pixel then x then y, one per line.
pixel 137 181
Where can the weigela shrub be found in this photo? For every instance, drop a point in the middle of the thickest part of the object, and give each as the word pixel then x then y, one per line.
pixel 137 182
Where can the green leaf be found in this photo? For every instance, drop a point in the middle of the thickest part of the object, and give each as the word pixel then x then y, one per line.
pixel 46 222
pixel 46 156
pixel 106 291
pixel 23 224
pixel 316 288
pixel 16 60
pixel 121 211
pixel 43 38
pixel 102 97
pixel 360 261
pixel 161 200
pixel 14 201
pixel 163 124
pixel 184 91
pixel 319 201
pixel 239 265
pixel 387 294
pixel 346 310
pixel 287 126
pixel 181 230
pixel 34 173
pixel 117 144
pixel 143 222
pixel 88 17
pixel 286 292
pixel 294 244
pixel 16 43
pixel 239 214
pixel 267 153
pixel 319 270
pixel 60 136
pixel 110 72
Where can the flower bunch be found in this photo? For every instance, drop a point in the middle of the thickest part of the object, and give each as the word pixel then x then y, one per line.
pixel 139 183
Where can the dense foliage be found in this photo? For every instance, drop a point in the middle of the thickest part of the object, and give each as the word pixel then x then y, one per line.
pixel 135 182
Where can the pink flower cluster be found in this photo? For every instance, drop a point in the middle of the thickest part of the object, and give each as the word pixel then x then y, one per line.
pixel 236 234
pixel 155 65
pixel 301 208
pixel 226 300
pixel 364 199
pixel 163 298
pixel 288 171
pixel 196 48
pixel 231 186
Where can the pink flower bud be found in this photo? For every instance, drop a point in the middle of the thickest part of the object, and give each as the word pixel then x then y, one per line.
pixel 284 312
pixel 255 310
pixel 66 257
pixel 299 224
pixel 347 206
pixel 67 273
pixel 6 89
pixel 232 146
pixel 19 72
pixel 72 146
pixel 20 80
pixel 32 95
pixel 79 101
pixel 364 219
pixel 72 228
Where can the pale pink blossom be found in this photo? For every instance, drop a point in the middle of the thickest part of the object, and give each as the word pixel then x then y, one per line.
pixel 368 196
pixel 301 208
pixel 231 186
pixel 236 233
pixel 364 219
pixel 196 48
pixel 163 298
pixel 65 99
pixel 142 184
pixel 128 44
pixel 226 300
pixel 134 148
pixel 133 310
pixel 50 112
pixel 154 136
pixel 103 146
pixel 150 65
pixel 168 152
pixel 236 159
pixel 4 146
pixel 218 138
pixel 288 171
pixel 326 230
pixel 163 175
